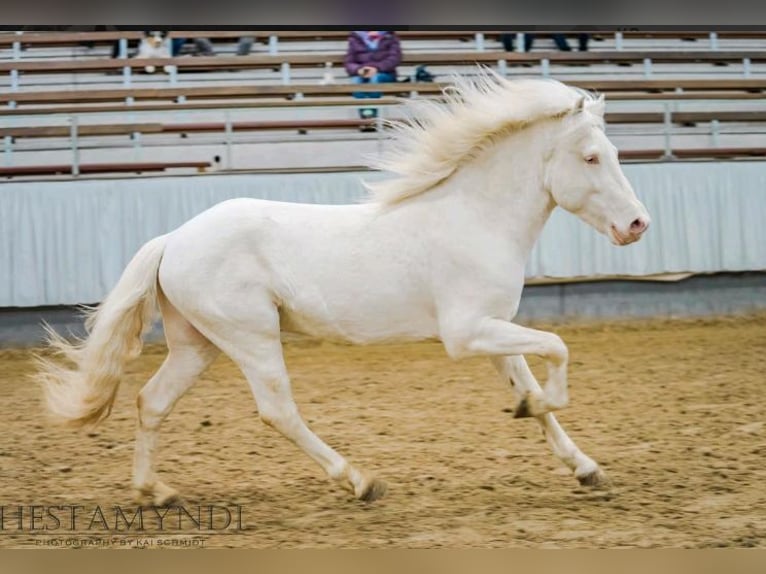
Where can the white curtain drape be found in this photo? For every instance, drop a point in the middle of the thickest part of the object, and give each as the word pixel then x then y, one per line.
pixel 67 242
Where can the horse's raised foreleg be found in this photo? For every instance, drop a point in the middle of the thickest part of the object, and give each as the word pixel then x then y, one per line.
pixel 189 355
pixel 515 370
pixel 496 337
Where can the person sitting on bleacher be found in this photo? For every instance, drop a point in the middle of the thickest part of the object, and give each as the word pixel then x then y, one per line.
pixel 372 57
pixel 154 44
pixel 202 46
pixel 158 45
pixel 244 45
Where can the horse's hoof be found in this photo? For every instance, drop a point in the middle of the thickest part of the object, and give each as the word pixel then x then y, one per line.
pixel 165 496
pixel 594 479
pixel 534 405
pixel 374 490
pixel 522 409
pixel 141 497
pixel 169 499
pixel 159 494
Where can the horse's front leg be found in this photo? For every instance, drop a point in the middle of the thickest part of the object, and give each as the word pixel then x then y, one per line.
pixel 499 338
pixel 514 370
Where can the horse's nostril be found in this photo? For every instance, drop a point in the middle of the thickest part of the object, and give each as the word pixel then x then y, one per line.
pixel 637 226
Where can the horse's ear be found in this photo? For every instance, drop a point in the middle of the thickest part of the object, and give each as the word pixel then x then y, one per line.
pixel 579 105
pixel 598 107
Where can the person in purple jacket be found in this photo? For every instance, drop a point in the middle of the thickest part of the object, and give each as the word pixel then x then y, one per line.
pixel 372 57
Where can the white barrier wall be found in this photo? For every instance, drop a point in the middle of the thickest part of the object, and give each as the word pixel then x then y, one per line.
pixel 67 242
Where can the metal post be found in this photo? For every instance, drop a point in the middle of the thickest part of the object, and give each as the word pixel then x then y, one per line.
pixel 502 67
pixel 286 73
pixel 479 42
pixel 136 146
pixel 713 41
pixel 675 105
pixel 545 67
pixel 715 132
pixel 520 42
pixel 273 45
pixel 75 147
pixel 667 126
pixel 647 67
pixel 746 67
pixel 8 151
pixel 618 41
pixel 15 73
pixel 228 135
pixel 126 70
pixel 122 53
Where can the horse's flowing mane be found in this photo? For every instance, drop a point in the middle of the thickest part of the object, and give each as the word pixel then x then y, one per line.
pixel 438 136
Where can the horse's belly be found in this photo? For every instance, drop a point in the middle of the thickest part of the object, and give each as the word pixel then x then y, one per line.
pixel 360 325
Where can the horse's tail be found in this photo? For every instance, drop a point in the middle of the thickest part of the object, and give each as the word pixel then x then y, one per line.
pixel 83 394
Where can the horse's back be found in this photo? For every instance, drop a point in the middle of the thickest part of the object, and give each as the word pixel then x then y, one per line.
pixel 248 234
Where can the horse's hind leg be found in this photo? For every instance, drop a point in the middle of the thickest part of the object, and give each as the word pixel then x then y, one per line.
pixel 189 355
pixel 514 369
pixel 254 344
pixel 270 385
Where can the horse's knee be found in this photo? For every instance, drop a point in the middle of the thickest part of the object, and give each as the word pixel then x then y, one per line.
pixel 145 418
pixel 284 419
pixel 558 352
pixel 150 414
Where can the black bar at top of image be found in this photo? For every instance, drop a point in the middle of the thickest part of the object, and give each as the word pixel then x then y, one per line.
pixel 430 27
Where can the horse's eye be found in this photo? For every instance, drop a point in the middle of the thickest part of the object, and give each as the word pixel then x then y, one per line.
pixel 591 159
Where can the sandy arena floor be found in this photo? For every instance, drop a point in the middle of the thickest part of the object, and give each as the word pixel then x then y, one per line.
pixel 673 410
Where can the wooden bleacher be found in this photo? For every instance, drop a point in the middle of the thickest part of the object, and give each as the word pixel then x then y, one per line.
pixel 694 153
pixel 100 168
pixel 321 101
pixel 226 63
pixel 139 168
pixel 741 85
pixel 188 89
pixel 612 118
pixel 108 37
pixel 307 126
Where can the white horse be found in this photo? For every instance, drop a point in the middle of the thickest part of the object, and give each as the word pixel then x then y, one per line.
pixel 438 251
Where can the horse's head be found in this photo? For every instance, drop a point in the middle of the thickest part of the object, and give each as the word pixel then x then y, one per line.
pixel 584 176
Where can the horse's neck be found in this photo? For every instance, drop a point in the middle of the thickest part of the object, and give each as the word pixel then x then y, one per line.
pixel 504 189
